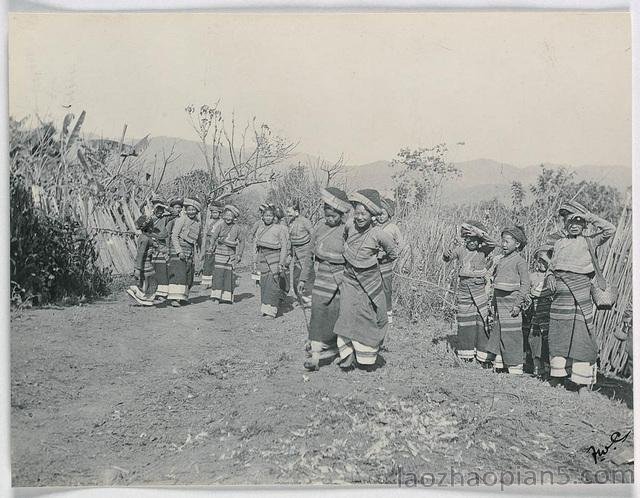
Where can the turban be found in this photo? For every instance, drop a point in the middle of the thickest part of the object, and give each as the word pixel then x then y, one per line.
pixel 335 198
pixel 369 198
pixel 571 207
pixel 517 233
pixel 193 203
pixel 234 210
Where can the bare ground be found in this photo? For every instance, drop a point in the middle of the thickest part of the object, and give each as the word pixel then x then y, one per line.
pixel 114 394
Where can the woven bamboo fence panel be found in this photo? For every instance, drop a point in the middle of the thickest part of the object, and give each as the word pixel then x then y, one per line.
pixel 618 271
pixel 113 226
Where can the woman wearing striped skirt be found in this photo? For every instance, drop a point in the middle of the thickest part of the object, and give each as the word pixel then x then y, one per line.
pixel 271 250
pixel 363 319
pixel 210 246
pixel 386 265
pixel 162 231
pixel 572 342
pixel 328 246
pixel 228 249
pixel 184 236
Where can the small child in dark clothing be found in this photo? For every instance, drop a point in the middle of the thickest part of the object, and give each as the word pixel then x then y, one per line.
pixel 143 265
pixel 540 297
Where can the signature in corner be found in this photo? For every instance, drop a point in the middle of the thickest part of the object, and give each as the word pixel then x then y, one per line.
pixel 598 454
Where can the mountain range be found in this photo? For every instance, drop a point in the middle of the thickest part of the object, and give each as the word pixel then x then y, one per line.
pixel 479 178
pixel 485 179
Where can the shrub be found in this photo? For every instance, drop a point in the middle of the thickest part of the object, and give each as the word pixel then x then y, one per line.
pixel 51 260
pixel 426 286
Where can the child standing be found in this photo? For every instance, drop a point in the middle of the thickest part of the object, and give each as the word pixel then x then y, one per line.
pixel 300 232
pixel 210 246
pixel 255 275
pixel 386 264
pixel 472 303
pixel 143 267
pixel 511 284
pixel 541 297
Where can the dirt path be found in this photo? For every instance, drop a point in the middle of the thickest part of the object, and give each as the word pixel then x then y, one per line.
pixel 111 393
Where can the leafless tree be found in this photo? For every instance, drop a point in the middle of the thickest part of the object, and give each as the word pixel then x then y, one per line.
pixel 236 157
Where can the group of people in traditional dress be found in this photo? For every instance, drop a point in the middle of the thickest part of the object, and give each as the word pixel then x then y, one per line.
pixel 503 309
pixel 164 264
pixel 342 268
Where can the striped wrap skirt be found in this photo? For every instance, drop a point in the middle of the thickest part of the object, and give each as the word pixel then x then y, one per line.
pixel 362 323
pixel 302 266
pixel 386 270
pixel 473 311
pixel 222 279
pixel 325 302
pixel 572 346
pixel 539 332
pixel 208 267
pixel 180 276
pixel 161 267
pixel 274 285
pixel 506 340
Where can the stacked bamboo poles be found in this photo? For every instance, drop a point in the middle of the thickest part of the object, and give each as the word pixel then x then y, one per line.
pixel 618 272
pixel 112 226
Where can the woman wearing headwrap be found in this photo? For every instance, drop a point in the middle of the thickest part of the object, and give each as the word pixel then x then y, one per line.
pixel 184 237
pixel 472 303
pixel 162 227
pixel 363 319
pixel 566 208
pixel 228 248
pixel 300 232
pixel 511 286
pixel 215 212
pixel 328 246
pixel 386 264
pixel 572 343
pixel 271 249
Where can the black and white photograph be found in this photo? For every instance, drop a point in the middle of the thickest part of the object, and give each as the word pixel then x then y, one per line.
pixel 347 249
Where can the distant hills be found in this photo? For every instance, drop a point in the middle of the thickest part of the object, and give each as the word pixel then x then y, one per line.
pixel 480 178
pixel 486 179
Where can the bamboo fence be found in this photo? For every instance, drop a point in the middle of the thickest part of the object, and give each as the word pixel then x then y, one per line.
pixel 617 269
pixel 113 226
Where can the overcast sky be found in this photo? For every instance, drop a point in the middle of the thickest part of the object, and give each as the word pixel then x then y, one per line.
pixel 522 88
